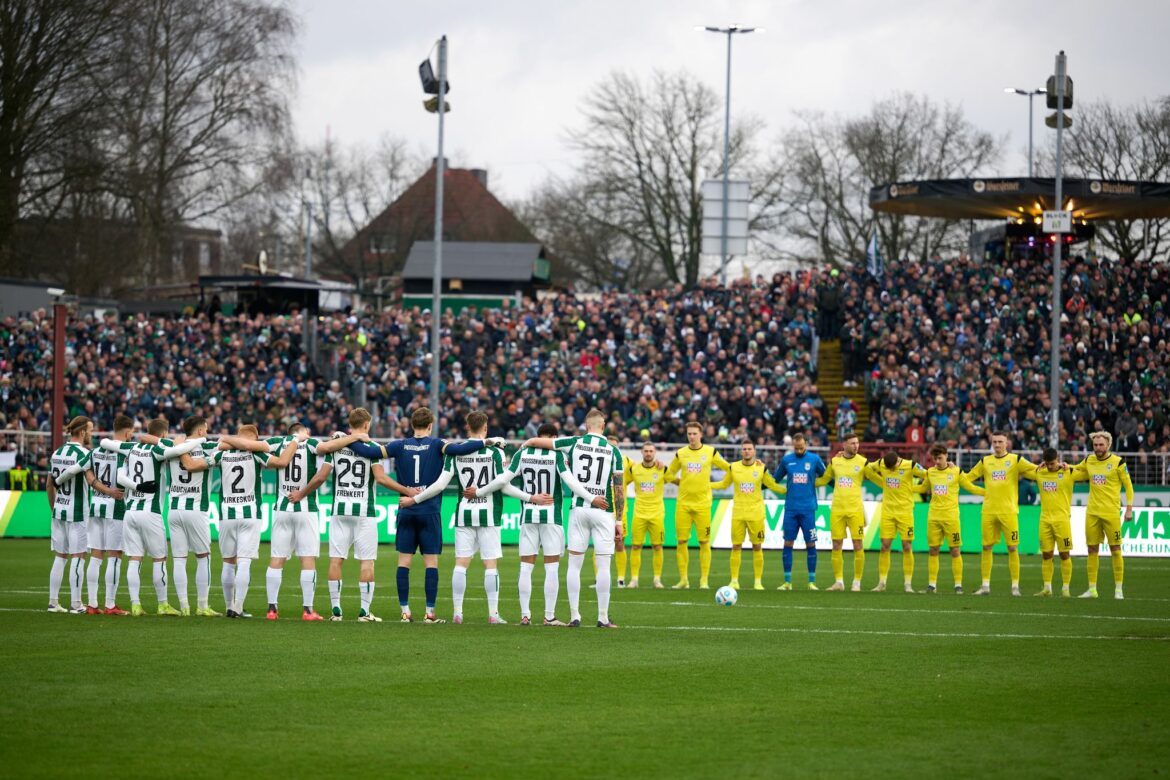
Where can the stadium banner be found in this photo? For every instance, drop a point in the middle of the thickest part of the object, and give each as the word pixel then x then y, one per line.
pixel 26 515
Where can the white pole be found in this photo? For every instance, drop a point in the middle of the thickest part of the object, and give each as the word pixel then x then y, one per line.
pixel 437 283
pixel 1054 434
pixel 726 162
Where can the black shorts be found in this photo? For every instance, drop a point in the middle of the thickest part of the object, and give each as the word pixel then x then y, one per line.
pixel 420 533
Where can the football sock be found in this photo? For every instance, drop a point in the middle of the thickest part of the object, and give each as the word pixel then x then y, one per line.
pixel 682 555
pixel 272 579
pixel 160 581
pixel 458 587
pixel 93 579
pixel 525 588
pixel 243 580
pixel 635 562
pixel 402 577
pixel 202 581
pixel 76 578
pixel 1014 567
pixel 620 558
pixel 603 588
pixel 858 564
pixel 704 560
pixel 1118 568
pixel 335 594
pixel 491 585
pixel 308 586
pixel 758 563
pixel 113 569
pixel 736 558
pixel 367 594
pixel 431 588
pixel 932 571
pixel 179 575
pixel 838 557
pixel 787 558
pixel 883 565
pixel 227 581
pixel 1046 568
pixel 1091 565
pixel 811 559
pixel 908 566
pixel 573 585
pixel 56 574
pixel 657 558
pixel 985 566
pixel 134 581
pixel 1066 571
pixel 552 588
pixel 957 568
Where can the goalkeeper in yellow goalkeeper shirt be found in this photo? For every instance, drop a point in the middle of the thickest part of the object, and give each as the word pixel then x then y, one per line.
pixel 1001 472
pixel 1107 475
pixel 1055 480
pixel 749 477
pixel 942 520
pixel 692 467
pixel 846 472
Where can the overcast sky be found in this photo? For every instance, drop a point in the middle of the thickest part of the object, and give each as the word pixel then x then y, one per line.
pixel 518 70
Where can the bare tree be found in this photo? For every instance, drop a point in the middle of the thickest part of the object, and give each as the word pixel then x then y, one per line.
pixel 826 166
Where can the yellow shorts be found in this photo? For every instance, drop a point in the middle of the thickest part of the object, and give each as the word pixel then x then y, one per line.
pixel 995 525
pixel 687 516
pixel 892 526
pixel 753 528
pixel 655 527
pixel 939 530
pixel 840 522
pixel 1101 529
pixel 1055 534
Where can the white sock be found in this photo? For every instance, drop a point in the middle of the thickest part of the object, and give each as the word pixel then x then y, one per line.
pixel 603 588
pixel 76 578
pixel 113 570
pixel 134 581
pixel 525 586
pixel 202 581
pixel 335 594
pixel 272 580
pixel 93 578
pixel 243 579
pixel 491 584
pixel 367 590
pixel 227 579
pixel 56 574
pixel 160 581
pixel 179 575
pixel 552 588
pixel 573 585
pixel 458 587
pixel 308 585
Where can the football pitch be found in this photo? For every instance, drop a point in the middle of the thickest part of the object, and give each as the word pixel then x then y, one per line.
pixel 782 684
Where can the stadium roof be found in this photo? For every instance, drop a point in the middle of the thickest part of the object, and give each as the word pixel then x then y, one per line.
pixel 1015 198
pixel 487 260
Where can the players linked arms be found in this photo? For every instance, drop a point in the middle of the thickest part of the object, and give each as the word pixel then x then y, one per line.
pixel 619 495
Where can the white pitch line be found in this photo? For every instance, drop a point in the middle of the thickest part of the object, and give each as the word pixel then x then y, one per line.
pixel 904 609
pixel 916 634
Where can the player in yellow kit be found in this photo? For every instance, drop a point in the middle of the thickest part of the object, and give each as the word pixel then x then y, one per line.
pixel 1055 481
pixel 749 477
pixel 942 521
pixel 1106 474
pixel 1001 472
pixel 692 467
pixel 648 478
pixel 896 478
pixel 847 471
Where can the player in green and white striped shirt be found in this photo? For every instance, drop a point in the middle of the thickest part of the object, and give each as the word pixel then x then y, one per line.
pixel 597 465
pixel 477 519
pixel 541 471
pixel 67 504
pixel 107 511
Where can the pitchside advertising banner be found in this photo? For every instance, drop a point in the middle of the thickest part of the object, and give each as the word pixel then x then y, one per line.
pixel 1148 534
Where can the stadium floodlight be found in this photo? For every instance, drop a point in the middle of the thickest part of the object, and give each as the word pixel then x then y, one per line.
pixel 1028 93
pixel 55 292
pixel 437 85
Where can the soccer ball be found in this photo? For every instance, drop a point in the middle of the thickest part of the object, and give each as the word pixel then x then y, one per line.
pixel 726 596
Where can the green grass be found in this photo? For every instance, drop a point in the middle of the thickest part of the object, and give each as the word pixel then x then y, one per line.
pixel 783 684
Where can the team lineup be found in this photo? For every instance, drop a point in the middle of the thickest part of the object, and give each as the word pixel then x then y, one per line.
pixel 109 502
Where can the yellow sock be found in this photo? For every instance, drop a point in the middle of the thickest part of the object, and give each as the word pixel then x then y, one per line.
pixel 1014 567
pixel 985 566
pixel 1066 571
pixel 838 565
pixel 908 567
pixel 883 564
pixel 1091 566
pixel 736 557
pixel 758 564
pixel 620 558
pixel 657 559
pixel 1118 568
pixel 1046 569
pixel 932 570
pixel 858 564
pixel 957 568
pixel 704 560
pixel 683 554
pixel 635 562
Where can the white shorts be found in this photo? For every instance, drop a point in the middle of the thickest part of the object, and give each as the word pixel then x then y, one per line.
pixel 542 536
pixel 295 531
pixel 586 522
pixel 190 533
pixel 104 533
pixel 143 535
pixel 485 541
pixel 68 538
pixel 360 533
pixel 240 538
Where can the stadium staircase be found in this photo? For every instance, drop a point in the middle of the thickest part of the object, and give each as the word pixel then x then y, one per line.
pixel 831 383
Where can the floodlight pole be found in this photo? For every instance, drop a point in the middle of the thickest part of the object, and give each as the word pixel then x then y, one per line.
pixel 726 164
pixel 310 322
pixel 437 282
pixel 1058 245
